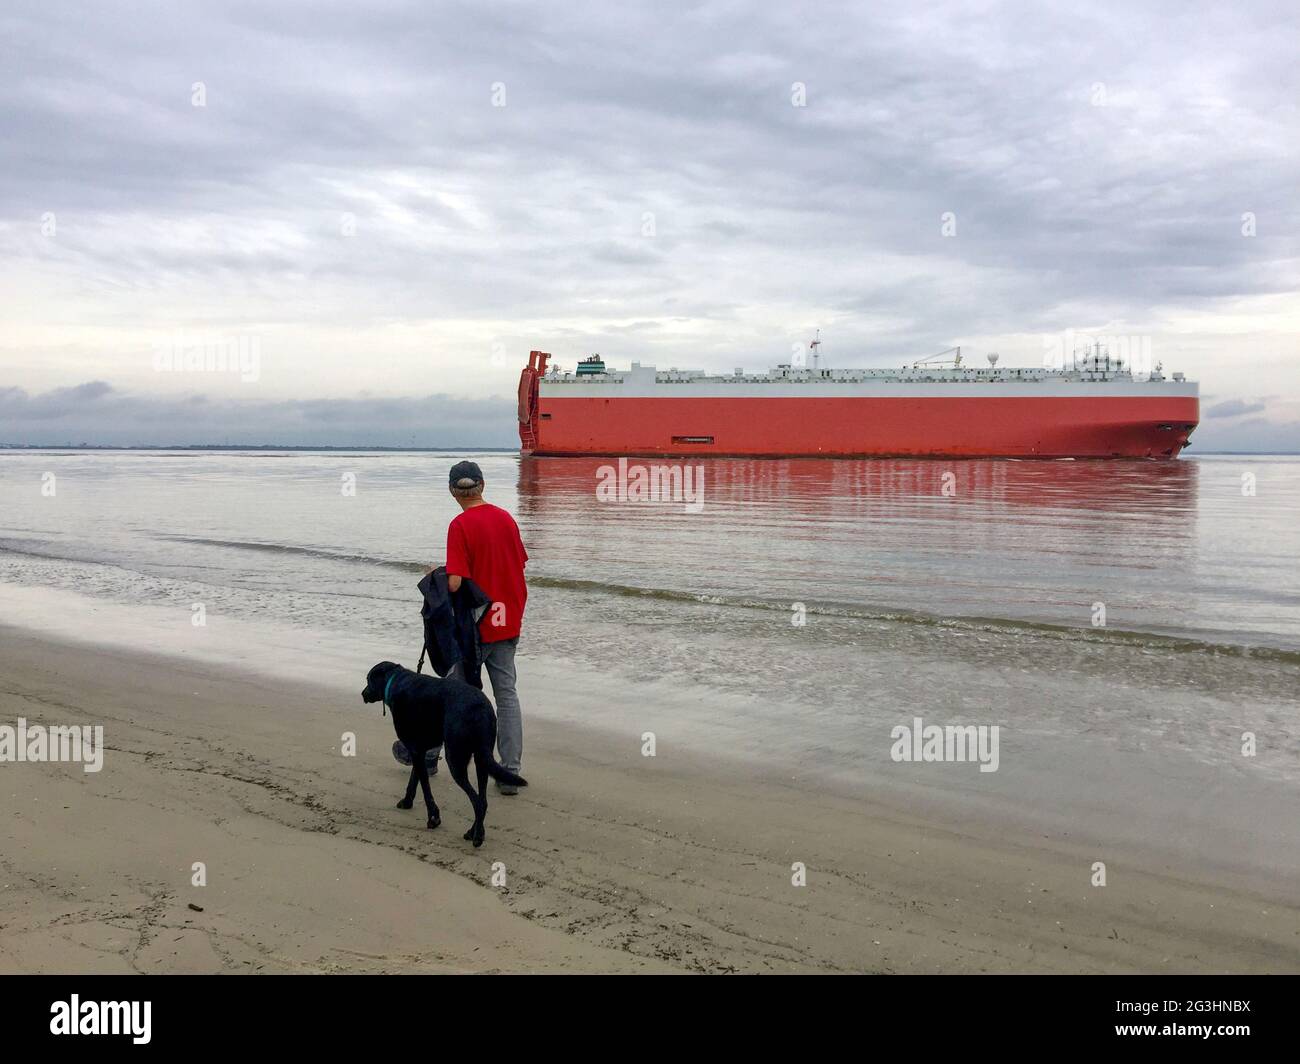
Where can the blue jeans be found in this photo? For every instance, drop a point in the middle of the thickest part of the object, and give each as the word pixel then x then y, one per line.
pixel 499 660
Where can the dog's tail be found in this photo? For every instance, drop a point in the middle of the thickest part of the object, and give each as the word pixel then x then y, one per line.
pixel 503 775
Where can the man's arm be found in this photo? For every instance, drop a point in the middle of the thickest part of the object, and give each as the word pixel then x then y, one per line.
pixel 457 557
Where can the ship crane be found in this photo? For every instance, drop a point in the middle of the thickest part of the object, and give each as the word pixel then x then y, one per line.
pixel 952 354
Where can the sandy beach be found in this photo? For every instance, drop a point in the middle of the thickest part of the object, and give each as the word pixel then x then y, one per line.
pixel 612 861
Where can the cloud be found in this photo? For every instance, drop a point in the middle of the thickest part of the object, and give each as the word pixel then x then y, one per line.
pixel 97 415
pixel 15 404
pixel 1254 435
pixel 1231 408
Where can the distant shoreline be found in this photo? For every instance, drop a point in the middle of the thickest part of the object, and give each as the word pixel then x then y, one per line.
pixel 249 447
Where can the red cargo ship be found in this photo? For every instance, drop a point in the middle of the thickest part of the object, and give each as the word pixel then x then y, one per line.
pixel 1095 408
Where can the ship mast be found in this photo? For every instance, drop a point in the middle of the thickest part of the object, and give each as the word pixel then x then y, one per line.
pixel 814 346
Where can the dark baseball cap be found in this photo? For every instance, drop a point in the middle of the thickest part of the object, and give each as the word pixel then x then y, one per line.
pixel 466 471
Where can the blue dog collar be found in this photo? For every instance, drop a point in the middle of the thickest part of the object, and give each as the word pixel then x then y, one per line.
pixel 387 686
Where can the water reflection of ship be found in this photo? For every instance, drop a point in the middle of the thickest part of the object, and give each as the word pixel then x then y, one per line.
pixel 1159 490
pixel 1046 538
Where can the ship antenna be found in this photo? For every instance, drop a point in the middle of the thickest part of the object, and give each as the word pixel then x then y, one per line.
pixel 813 346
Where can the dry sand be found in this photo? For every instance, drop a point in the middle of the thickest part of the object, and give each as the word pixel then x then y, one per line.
pixel 613 862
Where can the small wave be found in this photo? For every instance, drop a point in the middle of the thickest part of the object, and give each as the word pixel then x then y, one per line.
pixel 308 552
pixel 1009 625
pixel 38 548
pixel 1179 644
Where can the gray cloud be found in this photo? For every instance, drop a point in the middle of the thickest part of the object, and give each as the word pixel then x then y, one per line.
pixel 96 414
pixel 1231 408
pixel 1251 435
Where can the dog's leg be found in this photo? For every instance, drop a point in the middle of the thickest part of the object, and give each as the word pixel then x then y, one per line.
pixel 458 764
pixel 481 765
pixel 435 818
pixel 411 784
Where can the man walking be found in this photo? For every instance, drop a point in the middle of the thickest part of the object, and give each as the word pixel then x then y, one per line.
pixel 483 545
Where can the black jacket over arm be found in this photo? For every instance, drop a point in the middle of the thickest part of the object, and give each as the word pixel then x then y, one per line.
pixel 451 625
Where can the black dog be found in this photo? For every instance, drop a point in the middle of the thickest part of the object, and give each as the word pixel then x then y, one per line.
pixel 428 712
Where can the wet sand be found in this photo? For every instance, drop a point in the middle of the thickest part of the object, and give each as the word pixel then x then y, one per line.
pixel 612 861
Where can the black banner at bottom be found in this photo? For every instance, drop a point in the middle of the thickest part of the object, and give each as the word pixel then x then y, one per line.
pixel 528 1014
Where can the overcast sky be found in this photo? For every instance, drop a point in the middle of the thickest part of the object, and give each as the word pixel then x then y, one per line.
pixel 390 203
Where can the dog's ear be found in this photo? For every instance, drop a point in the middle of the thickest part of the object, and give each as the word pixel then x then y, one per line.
pixel 376 679
pixel 381 670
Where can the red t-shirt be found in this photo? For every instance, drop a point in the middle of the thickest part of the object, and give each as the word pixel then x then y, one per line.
pixel 483 544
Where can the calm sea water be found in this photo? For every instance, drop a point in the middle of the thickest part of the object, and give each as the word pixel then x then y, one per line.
pixel 963 590
pixel 1171 549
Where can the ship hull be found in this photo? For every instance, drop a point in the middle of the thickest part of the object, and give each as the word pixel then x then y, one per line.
pixel 922 425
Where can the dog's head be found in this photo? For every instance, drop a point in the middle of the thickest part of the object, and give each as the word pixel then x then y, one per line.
pixel 377 680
